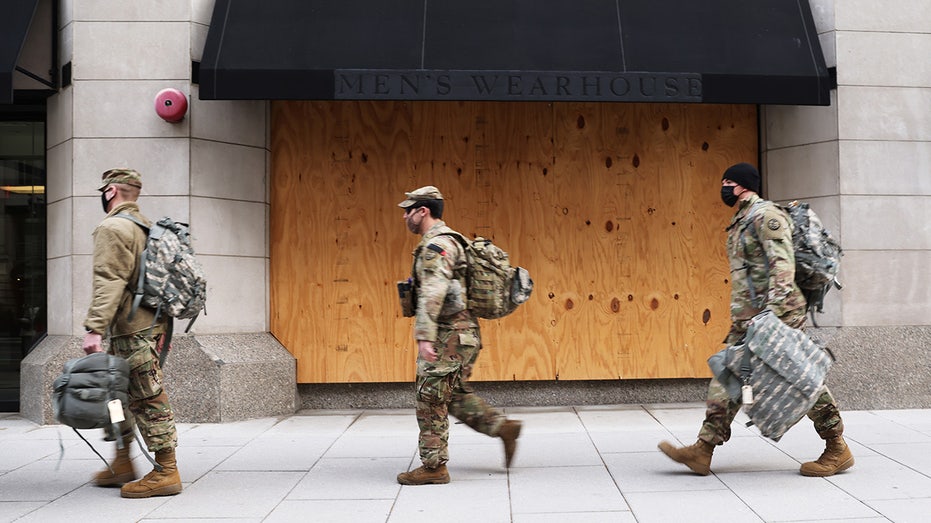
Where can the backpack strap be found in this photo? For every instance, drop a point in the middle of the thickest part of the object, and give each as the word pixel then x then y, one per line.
pixel 137 294
pixel 751 214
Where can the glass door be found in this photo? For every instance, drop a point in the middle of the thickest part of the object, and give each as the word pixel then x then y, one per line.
pixel 22 247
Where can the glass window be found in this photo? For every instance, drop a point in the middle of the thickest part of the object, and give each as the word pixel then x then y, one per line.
pixel 22 250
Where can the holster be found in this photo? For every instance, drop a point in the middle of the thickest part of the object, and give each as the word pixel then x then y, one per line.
pixel 406 295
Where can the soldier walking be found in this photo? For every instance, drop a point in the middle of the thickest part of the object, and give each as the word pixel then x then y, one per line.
pixel 448 343
pixel 759 240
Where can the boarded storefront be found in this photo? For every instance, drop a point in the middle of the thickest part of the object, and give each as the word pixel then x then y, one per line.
pixel 613 208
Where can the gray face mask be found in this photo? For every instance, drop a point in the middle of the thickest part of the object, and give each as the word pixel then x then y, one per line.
pixel 728 196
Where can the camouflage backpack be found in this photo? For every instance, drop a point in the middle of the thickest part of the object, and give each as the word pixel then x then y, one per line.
pixel 783 368
pixel 494 287
pixel 817 255
pixel 171 280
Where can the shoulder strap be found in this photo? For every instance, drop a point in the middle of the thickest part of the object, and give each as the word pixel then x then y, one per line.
pixel 137 294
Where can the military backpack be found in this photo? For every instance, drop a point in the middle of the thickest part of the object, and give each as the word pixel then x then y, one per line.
pixel 494 288
pixel 817 255
pixel 171 280
pixel 92 392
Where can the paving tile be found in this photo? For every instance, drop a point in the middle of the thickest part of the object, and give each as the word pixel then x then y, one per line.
pixel 904 510
pixel 616 418
pixel 318 425
pixel 752 454
pixel 916 455
pixel 371 445
pixel 11 510
pixel 811 498
pixel 27 451
pixel 654 472
pixel 44 480
pixel 868 428
pixel 91 503
pixel 385 423
pixel 689 506
pixel 564 489
pixel 223 494
pixel 547 420
pixel 576 517
pixel 468 462
pixel 555 450
pixel 223 434
pixel 457 501
pixel 207 520
pixel 877 477
pixel 351 479
pixel 643 440
pixel 295 452
pixel 330 511
pixel 193 462
pixel 915 419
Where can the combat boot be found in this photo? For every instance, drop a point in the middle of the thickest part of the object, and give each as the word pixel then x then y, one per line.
pixel 509 432
pixel 122 470
pixel 835 458
pixel 425 476
pixel 696 456
pixel 166 482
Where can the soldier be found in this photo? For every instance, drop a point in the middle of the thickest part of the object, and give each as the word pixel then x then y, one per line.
pixel 448 343
pixel 117 245
pixel 759 240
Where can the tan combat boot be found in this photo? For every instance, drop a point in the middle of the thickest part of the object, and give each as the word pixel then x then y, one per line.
pixel 835 458
pixel 425 476
pixel 155 483
pixel 509 432
pixel 696 456
pixel 123 470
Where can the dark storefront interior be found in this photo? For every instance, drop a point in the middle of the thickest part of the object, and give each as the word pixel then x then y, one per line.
pixel 28 76
pixel 22 246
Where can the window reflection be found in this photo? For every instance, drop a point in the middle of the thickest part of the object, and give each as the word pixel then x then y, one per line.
pixel 22 250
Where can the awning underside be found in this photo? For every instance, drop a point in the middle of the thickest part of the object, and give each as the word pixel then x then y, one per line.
pixel 715 51
pixel 14 24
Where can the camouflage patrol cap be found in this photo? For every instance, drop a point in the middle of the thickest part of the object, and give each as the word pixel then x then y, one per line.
pixel 421 195
pixel 125 176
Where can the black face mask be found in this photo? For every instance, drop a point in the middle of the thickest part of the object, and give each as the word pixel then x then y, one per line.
pixel 104 201
pixel 728 196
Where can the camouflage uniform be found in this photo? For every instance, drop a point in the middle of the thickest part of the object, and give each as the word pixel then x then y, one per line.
pixel 441 315
pixel 759 242
pixel 117 245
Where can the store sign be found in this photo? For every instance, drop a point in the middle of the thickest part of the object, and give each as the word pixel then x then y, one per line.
pixel 352 84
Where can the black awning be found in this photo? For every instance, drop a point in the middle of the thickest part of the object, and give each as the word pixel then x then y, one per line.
pixel 711 51
pixel 14 24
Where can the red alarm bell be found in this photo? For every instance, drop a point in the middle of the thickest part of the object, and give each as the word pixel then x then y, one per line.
pixel 171 105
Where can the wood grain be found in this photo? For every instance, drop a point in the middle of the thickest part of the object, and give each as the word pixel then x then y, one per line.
pixel 614 209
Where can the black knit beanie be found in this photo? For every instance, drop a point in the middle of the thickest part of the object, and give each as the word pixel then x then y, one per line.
pixel 745 175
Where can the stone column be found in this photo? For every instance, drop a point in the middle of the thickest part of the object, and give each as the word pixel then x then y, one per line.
pixel 863 163
pixel 209 170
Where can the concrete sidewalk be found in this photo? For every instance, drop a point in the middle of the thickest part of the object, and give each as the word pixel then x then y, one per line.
pixel 573 464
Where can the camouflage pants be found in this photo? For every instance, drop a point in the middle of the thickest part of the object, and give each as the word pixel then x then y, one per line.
pixel 442 389
pixel 721 410
pixel 148 401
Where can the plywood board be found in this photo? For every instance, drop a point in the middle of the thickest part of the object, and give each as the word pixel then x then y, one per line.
pixel 613 208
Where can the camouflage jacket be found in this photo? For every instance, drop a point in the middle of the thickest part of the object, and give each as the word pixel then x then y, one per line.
pixel 759 243
pixel 439 284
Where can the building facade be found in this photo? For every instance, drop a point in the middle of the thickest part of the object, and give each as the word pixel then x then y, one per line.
pixel 863 162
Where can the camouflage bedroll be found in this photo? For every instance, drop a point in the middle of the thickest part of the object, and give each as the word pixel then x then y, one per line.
pixel 786 370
